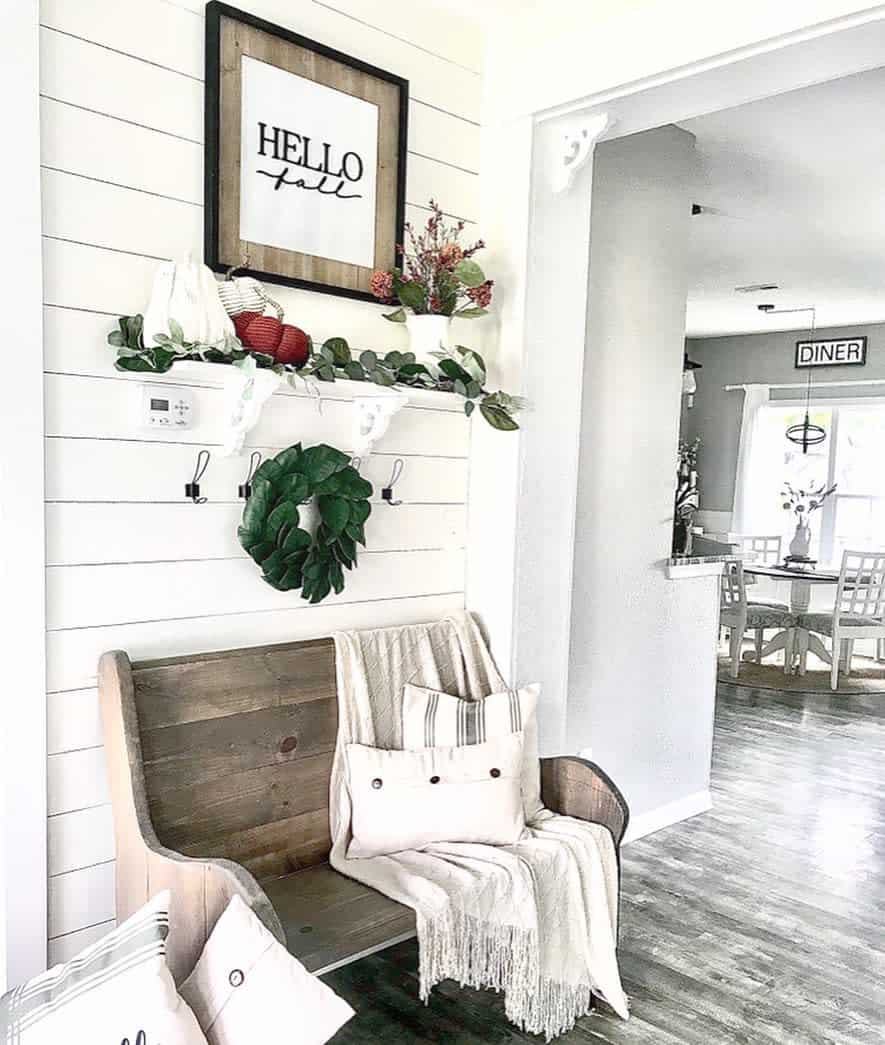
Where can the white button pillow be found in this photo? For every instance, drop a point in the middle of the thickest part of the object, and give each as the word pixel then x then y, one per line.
pixel 409 799
pixel 246 988
pixel 431 718
pixel 119 989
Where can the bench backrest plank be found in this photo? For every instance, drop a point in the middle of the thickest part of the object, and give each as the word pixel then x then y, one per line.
pixel 237 752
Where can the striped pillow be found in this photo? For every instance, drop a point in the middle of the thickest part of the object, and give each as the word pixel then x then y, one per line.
pixel 117 990
pixel 435 719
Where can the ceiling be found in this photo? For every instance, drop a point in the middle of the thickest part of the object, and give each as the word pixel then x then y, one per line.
pixel 796 186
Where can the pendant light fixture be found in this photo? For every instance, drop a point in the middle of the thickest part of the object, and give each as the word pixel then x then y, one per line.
pixel 805 434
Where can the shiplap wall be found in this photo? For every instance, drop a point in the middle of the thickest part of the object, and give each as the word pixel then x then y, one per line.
pixel 130 564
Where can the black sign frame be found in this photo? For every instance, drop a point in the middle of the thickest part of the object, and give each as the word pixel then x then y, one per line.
pixel 797 365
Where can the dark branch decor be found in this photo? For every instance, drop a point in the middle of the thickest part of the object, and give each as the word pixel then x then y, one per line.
pixel 462 370
pixel 289 557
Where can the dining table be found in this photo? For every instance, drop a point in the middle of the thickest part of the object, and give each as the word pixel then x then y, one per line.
pixel 804 641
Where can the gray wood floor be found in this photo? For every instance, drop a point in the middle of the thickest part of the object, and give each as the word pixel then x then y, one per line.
pixel 761 921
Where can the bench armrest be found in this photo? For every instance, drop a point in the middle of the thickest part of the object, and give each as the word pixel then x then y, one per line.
pixel 201 888
pixel 575 787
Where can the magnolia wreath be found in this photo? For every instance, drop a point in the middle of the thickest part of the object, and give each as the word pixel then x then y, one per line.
pixel 290 557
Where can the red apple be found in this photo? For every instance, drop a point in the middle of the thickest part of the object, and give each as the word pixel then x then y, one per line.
pixel 263 334
pixel 294 346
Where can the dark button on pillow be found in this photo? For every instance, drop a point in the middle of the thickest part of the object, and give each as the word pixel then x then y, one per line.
pixel 434 780
pixel 377 782
pixel 236 978
pixel 495 773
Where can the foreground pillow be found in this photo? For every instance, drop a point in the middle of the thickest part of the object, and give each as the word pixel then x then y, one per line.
pixel 246 988
pixel 409 799
pixel 117 990
pixel 431 718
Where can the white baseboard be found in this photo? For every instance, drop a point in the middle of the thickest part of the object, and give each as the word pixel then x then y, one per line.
pixel 665 815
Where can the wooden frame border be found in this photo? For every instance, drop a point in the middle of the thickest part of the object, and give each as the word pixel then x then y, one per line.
pixel 215 12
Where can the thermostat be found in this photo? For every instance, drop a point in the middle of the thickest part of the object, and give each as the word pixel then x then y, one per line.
pixel 165 406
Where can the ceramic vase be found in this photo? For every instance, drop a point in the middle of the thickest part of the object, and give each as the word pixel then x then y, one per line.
pixel 801 542
pixel 428 334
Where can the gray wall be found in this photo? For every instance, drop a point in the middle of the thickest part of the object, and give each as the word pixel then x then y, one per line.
pixel 641 670
pixel 755 359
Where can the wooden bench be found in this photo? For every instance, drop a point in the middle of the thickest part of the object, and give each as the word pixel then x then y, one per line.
pixel 219 770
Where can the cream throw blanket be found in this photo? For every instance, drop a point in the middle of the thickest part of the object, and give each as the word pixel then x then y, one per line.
pixel 538 919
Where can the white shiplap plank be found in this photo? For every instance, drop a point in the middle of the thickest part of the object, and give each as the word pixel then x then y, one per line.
pixel 443 136
pixel 72 656
pixel 457 191
pixel 98 280
pixel 108 533
pixel 156 31
pixel 441 32
pixel 92 596
pixel 81 839
pixel 114 413
pixel 73 720
pixel 63 948
pixel 81 897
pixel 107 149
pixel 106 470
pixel 104 215
pixel 77 71
pixel 76 780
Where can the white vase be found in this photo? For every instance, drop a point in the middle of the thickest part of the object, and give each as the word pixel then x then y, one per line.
pixel 801 542
pixel 428 334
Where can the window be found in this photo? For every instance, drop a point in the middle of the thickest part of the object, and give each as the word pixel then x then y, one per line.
pixel 852 455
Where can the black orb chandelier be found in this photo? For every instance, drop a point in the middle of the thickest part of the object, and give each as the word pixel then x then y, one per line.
pixel 806 433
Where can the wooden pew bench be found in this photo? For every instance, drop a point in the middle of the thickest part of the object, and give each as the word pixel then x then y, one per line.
pixel 219 770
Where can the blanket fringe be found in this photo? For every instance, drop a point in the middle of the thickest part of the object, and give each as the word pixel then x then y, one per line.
pixel 457 946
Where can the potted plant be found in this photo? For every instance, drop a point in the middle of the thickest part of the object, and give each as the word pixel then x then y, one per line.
pixel 439 280
pixel 802 503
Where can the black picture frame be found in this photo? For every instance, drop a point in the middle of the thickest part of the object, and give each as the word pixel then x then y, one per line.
pixel 797 365
pixel 215 12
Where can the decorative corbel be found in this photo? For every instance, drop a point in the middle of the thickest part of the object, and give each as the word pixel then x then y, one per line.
pixel 371 417
pixel 576 149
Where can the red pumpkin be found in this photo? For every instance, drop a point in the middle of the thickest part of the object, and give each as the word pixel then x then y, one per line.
pixel 243 320
pixel 263 334
pixel 294 346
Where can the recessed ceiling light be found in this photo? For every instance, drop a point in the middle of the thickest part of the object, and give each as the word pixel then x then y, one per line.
pixel 752 288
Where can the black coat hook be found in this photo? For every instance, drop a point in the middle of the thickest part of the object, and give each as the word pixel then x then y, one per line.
pixel 245 489
pixel 387 491
pixel 192 489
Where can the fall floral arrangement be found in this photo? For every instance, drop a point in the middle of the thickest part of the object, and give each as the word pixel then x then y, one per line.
pixel 439 276
pixel 803 502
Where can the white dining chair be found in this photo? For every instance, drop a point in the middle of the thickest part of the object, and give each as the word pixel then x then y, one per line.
pixel 739 616
pixel 858 612
pixel 765 549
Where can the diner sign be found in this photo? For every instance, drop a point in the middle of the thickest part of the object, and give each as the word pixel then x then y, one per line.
pixel 840 351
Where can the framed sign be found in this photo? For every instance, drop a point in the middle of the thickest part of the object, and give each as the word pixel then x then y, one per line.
pixel 844 351
pixel 305 158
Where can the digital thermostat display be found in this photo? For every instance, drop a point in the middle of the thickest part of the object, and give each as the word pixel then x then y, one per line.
pixel 166 407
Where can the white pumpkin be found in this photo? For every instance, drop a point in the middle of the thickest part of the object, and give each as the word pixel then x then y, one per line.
pixel 188 293
pixel 242 294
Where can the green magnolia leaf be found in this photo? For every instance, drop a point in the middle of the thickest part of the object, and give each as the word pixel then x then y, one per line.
pixel 340 350
pixel 356 532
pixel 472 362
pixel 413 369
pixel 471 312
pixel 334 511
pixel 498 418
pixel 454 371
pixel 319 462
pixel 175 330
pixel 469 407
pixel 288 459
pixel 470 274
pixel 354 371
pixel 352 485
pixel 116 339
pixel 297 540
pixel 382 377
pixel 413 296
pixel 137 364
pixel 360 511
pixel 368 359
pixel 460 388
pixel 284 512
pixel 336 577
pixel 397 316
pixel 394 360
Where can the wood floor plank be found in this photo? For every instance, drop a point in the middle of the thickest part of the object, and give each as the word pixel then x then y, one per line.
pixel 758 923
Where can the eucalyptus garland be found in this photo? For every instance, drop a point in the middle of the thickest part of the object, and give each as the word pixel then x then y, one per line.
pixel 289 557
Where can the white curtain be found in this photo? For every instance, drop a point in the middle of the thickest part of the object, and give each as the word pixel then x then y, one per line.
pixel 755 397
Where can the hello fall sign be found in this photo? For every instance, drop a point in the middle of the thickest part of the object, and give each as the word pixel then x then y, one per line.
pixel 305 157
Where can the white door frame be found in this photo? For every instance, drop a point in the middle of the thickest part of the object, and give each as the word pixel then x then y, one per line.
pixel 23 884
pixel 551 318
